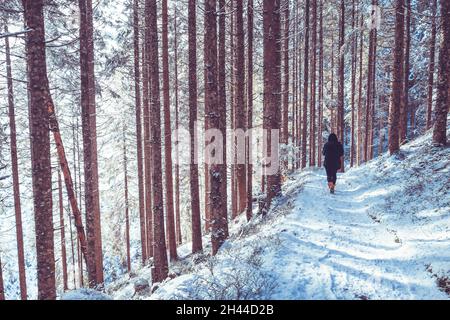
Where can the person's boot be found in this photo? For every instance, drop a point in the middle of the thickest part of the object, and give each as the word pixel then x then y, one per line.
pixel 332 187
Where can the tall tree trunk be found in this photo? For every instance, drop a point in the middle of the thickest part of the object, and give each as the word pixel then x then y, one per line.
pixel 403 134
pixel 160 269
pixel 359 153
pixel 15 172
pixel 233 93
pixel 341 108
pixel 272 98
pixel 137 90
pixel 285 126
pixel 177 125
pixel 216 116
pixel 38 92
pixel 170 224
pixel 354 59
pixel 240 115
pixel 321 84
pixel 442 102
pixel 147 139
pixel 62 231
pixel 88 110
pixel 127 203
pixel 431 67
pixel 312 111
pixel 249 108
pixel 305 86
pixel 2 287
pixel 397 82
pixel 195 199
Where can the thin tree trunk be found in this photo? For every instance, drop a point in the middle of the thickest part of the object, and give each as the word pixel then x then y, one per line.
pixel 312 111
pixel 431 67
pixel 285 126
pixel 403 134
pixel 177 126
pixel 354 52
pixel 161 268
pixel 170 224
pixel 140 167
pixel 38 92
pixel 272 98
pixel 195 199
pixel 15 172
pixel 62 234
pixel 127 205
pixel 88 110
pixel 305 86
pixel 2 287
pixel 216 116
pixel 341 109
pixel 321 84
pixel 240 115
pixel 442 102
pixel 359 155
pixel 397 82
pixel 249 108
pixel 147 146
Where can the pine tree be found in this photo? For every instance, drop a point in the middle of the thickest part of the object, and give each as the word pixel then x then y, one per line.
pixel 431 66
pixel 304 131
pixel 15 172
pixel 160 269
pixel 62 234
pixel 195 199
pixel 442 102
pixel 272 88
pixel 170 223
pixel 137 92
pixel 397 82
pixel 88 110
pixel 38 89
pixel 215 116
pixel 249 108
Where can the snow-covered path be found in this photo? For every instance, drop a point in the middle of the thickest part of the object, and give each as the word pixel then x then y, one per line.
pixel 334 249
pixel 385 234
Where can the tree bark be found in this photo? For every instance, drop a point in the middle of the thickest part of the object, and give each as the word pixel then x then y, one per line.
pixel 62 231
pixel 359 152
pixel 127 204
pixel 272 97
pixel 160 269
pixel 321 84
pixel 240 115
pixel 341 108
pixel 170 223
pixel 305 86
pixel 147 140
pixel 442 102
pixel 140 167
pixel 285 126
pixel 403 127
pixel 177 126
pixel 2 287
pixel 88 110
pixel 249 108
pixel 195 199
pixel 397 82
pixel 431 67
pixel 215 116
pixel 354 52
pixel 312 110
pixel 15 172
pixel 38 92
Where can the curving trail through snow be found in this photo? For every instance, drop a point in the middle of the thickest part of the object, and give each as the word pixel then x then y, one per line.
pixel 331 247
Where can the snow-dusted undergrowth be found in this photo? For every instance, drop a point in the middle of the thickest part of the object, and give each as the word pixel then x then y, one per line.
pixel 385 234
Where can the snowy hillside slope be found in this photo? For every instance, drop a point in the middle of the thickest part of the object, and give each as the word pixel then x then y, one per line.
pixel 385 234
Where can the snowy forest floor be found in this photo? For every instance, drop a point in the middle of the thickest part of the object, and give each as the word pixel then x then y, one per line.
pixel 385 234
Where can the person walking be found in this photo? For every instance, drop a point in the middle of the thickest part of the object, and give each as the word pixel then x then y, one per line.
pixel 333 152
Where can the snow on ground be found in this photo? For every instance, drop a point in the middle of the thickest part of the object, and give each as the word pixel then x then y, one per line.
pixel 385 234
